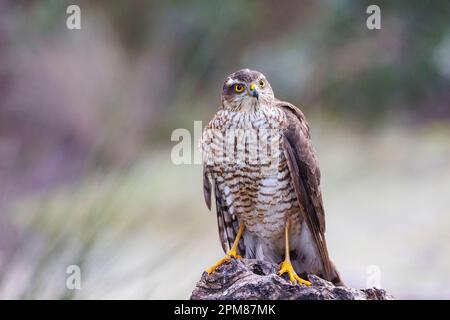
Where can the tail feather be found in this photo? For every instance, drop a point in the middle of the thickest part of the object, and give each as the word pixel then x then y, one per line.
pixel 336 277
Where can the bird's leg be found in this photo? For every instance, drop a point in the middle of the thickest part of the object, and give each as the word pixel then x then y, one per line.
pixel 230 254
pixel 286 266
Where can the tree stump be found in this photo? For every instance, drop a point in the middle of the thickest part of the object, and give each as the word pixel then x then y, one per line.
pixel 249 279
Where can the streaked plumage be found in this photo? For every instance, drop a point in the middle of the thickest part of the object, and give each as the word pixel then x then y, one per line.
pixel 263 192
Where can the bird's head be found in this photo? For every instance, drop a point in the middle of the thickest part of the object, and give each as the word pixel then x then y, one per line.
pixel 246 90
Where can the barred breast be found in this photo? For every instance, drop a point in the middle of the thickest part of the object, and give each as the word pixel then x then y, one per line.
pixel 251 172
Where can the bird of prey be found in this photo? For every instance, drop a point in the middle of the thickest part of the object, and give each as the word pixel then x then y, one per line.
pixel 261 165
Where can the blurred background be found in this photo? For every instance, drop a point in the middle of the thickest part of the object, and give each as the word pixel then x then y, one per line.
pixel 86 117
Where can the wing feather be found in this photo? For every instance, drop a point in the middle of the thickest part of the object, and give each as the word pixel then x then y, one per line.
pixel 305 175
pixel 227 223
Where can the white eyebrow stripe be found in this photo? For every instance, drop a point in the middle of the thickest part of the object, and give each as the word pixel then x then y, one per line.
pixel 229 82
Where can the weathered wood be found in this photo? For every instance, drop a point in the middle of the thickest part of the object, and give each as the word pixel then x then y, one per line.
pixel 254 279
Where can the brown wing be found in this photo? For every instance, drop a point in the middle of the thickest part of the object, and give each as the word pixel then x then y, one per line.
pixel 305 174
pixel 227 223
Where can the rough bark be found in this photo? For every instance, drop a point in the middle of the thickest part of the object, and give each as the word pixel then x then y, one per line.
pixel 254 279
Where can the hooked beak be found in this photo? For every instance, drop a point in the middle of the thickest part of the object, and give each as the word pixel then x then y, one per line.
pixel 253 91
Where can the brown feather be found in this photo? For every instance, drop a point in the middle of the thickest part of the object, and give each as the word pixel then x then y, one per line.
pixel 227 224
pixel 305 174
pixel 206 188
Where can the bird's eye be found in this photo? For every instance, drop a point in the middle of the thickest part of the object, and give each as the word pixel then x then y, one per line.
pixel 262 84
pixel 238 88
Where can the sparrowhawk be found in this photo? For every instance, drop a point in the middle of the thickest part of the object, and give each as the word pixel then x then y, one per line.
pixel 261 165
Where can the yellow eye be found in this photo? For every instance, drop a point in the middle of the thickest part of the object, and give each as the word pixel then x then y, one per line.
pixel 262 84
pixel 238 88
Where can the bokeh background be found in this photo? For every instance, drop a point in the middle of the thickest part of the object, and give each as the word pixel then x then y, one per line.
pixel 86 117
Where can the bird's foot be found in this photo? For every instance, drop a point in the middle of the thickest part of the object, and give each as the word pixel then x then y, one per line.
pixel 286 266
pixel 231 254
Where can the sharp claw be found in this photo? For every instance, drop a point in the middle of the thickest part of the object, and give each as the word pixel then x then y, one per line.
pixel 228 256
pixel 293 277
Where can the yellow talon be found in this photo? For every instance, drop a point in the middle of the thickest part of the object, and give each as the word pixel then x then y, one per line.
pixel 234 254
pixel 231 254
pixel 286 266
